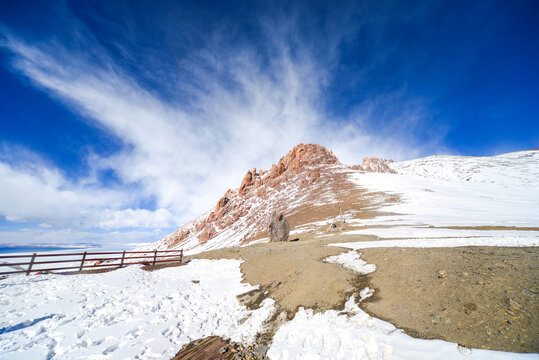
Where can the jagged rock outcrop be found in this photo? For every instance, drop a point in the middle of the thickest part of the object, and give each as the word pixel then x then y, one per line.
pixel 301 158
pixel 278 228
pixel 374 164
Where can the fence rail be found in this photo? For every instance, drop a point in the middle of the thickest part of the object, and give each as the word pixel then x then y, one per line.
pixel 88 260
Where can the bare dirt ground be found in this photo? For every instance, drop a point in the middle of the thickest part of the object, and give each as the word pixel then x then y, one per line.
pixel 293 273
pixel 485 297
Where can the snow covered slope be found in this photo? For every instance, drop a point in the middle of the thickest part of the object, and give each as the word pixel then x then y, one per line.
pixel 495 200
pixel 513 169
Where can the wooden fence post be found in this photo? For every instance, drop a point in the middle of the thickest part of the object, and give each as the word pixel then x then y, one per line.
pixel 31 264
pixel 82 261
pixel 123 257
pixel 154 256
pixel 181 255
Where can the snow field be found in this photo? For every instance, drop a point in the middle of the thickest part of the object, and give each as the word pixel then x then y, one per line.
pixel 440 202
pixel 427 203
pixel 412 231
pixel 353 334
pixel 124 314
pixel 443 242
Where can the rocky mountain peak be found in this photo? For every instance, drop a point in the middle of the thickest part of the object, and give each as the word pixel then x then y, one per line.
pixel 303 157
pixel 260 193
pixel 303 174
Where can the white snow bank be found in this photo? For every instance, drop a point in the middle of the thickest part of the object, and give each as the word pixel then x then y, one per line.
pixel 352 260
pixel 427 205
pixel 353 334
pixel 439 202
pixel 442 242
pixel 410 231
pixel 127 313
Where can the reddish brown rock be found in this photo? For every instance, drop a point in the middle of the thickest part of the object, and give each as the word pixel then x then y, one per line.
pixel 207 234
pixel 183 234
pixel 222 203
pixel 374 164
pixel 200 225
pixel 261 192
pixel 212 217
pixel 248 180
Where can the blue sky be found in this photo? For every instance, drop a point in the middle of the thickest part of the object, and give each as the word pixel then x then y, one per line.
pixel 121 120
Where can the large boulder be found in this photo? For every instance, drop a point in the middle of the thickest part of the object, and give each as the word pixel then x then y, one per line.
pixel 279 227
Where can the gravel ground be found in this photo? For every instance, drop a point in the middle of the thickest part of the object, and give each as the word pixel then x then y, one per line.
pixel 480 297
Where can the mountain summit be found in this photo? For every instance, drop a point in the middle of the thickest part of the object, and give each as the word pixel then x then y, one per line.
pixel 308 176
pixel 309 185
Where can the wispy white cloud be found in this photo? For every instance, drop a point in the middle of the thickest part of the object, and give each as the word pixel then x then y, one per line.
pixel 234 112
pixel 37 193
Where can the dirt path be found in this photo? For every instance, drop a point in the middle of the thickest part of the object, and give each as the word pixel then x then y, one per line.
pixel 484 298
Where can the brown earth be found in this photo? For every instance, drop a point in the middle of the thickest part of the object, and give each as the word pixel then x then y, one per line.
pixel 347 198
pixel 486 299
pixel 293 273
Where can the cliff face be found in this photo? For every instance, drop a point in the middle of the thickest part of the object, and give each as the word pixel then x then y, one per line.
pixel 301 177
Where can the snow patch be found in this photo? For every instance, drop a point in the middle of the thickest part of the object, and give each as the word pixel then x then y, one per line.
pixel 126 313
pixel 439 202
pixel 352 260
pixel 353 334
pixel 442 242
pixel 365 293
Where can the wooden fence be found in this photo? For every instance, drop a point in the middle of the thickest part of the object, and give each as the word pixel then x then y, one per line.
pixel 86 260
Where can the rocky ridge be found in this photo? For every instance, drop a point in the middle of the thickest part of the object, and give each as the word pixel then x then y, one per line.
pixel 374 164
pixel 242 215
